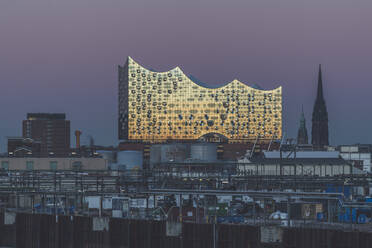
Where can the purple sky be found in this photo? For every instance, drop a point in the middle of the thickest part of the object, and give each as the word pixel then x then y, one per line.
pixel 62 56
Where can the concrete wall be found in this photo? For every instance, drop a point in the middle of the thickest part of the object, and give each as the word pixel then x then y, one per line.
pixel 47 163
pixel 78 231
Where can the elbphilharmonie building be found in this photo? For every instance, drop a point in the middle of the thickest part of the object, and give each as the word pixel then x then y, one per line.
pixel 162 106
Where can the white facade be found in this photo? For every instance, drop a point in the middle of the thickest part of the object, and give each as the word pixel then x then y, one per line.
pixel 357 155
pixel 295 169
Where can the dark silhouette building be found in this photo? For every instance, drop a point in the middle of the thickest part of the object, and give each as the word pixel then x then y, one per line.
pixel 51 130
pixel 319 133
pixel 20 147
pixel 302 138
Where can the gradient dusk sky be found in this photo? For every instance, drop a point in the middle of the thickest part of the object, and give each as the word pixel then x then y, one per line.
pixel 62 56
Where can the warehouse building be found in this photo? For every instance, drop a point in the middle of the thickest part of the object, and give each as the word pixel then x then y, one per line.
pixel 305 163
pixel 52 163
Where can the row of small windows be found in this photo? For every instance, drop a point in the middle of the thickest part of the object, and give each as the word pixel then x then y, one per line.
pixel 196 94
pixel 232 134
pixel 169 75
pixel 29 165
pixel 206 127
pixel 160 78
pixel 141 101
pixel 197 90
pixel 233 121
pixel 223 91
pixel 228 108
pixel 171 114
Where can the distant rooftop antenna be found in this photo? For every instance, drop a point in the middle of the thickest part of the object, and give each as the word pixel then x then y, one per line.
pixel 281 142
pixel 289 141
pixel 77 135
pixel 271 141
pixel 254 146
pixel 91 141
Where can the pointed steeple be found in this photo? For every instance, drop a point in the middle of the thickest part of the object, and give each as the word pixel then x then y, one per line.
pixel 302 137
pixel 319 95
pixel 302 119
pixel 319 133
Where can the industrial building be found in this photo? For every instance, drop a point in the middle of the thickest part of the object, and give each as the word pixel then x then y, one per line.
pixel 126 160
pixel 270 163
pixel 156 107
pixel 52 163
pixel 360 156
pixel 306 163
pixel 183 152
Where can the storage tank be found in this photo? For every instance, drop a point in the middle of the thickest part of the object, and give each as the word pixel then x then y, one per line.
pixel 113 167
pixel 110 156
pixel 168 153
pixel 129 160
pixel 174 152
pixel 155 155
pixel 206 152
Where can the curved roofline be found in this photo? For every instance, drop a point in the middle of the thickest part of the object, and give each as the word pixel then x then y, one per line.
pixel 204 85
pixel 213 133
pixel 175 68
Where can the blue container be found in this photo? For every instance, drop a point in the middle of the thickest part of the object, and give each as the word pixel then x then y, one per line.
pixel 345 217
pixel 237 219
pixel 320 216
pixel 362 219
pixel 346 190
pixel 221 219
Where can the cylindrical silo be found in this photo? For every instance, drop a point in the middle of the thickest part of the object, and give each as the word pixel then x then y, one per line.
pixel 129 160
pixel 155 155
pixel 204 152
pixel 110 156
pixel 174 152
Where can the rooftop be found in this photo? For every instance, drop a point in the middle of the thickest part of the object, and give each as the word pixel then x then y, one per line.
pixel 46 116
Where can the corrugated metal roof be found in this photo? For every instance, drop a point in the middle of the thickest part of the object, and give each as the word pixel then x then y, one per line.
pixel 304 161
pixel 303 154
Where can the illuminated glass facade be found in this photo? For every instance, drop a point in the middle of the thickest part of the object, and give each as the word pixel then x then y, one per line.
pixel 161 106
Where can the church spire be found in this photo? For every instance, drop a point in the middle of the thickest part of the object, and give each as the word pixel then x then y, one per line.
pixel 319 132
pixel 302 137
pixel 302 120
pixel 320 84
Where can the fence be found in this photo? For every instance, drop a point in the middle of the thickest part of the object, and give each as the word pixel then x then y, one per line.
pixel 50 231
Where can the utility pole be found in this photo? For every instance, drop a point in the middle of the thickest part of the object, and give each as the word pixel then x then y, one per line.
pixel 288 211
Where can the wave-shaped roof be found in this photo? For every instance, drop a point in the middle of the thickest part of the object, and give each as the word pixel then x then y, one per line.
pixel 196 80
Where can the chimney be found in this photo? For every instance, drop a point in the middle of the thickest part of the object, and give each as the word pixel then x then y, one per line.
pixel 77 135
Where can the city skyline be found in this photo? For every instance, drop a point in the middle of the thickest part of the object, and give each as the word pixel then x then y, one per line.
pixel 69 64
